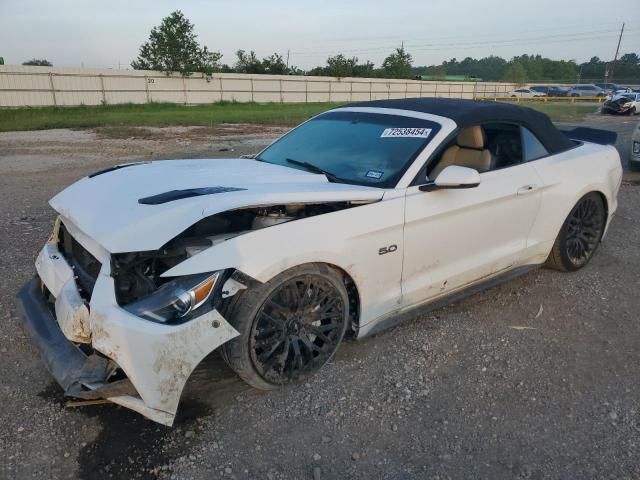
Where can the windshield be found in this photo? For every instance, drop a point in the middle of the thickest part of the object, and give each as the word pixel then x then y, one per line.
pixel 354 147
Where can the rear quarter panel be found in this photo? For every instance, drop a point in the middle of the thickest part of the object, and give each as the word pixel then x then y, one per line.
pixel 566 178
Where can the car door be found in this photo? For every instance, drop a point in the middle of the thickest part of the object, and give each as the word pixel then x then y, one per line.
pixel 453 238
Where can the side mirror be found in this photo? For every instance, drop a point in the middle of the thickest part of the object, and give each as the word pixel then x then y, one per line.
pixel 453 176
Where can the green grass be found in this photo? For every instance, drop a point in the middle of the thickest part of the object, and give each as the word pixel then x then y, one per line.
pixel 163 114
pixel 563 112
pixel 158 114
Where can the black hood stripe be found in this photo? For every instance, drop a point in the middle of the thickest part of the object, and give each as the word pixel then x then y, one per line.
pixel 186 193
pixel 115 167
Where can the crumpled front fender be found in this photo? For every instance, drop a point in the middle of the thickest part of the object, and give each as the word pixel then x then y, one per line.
pixel 158 359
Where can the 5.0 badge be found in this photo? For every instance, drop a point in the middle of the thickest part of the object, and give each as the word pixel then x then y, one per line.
pixel 389 249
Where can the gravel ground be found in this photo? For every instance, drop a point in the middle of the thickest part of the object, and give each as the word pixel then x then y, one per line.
pixel 537 378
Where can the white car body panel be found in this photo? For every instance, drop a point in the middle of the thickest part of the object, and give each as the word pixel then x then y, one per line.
pixel 158 359
pixel 349 239
pixel 106 207
pixel 434 237
pixel 445 223
pixel 600 171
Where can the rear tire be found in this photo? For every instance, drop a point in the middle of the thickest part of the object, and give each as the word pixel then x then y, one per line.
pixel 580 235
pixel 289 327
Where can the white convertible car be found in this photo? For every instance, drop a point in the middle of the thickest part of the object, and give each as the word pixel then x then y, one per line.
pixel 339 227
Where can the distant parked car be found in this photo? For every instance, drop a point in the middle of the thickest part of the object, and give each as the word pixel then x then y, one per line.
pixel 544 89
pixel 634 159
pixel 550 90
pixel 526 93
pixel 558 91
pixel 609 87
pixel 586 90
pixel 628 103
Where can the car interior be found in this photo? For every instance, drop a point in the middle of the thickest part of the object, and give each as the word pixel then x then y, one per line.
pixel 484 148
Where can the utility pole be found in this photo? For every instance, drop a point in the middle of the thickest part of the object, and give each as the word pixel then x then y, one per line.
pixel 613 65
pixel 287 59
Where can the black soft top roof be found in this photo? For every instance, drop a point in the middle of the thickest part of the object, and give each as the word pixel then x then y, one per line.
pixel 473 112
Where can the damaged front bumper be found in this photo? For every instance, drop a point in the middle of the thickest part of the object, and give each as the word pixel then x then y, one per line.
pixel 616 108
pixel 96 349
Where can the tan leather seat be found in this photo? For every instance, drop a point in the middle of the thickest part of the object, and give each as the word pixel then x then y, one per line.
pixel 469 151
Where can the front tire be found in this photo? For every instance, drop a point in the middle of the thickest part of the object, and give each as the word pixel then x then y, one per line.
pixel 289 327
pixel 580 235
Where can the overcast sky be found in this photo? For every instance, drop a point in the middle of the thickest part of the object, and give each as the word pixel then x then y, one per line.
pixel 108 33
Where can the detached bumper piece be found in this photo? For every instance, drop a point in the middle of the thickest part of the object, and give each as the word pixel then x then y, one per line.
pixel 79 374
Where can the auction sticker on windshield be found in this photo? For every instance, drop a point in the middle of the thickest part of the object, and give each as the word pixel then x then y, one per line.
pixel 406 132
pixel 377 174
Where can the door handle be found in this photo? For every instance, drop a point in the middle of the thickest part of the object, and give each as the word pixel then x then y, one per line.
pixel 527 189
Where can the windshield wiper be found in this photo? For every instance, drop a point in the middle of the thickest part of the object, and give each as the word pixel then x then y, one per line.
pixel 315 169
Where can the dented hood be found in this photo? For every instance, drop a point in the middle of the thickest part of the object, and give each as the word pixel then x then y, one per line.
pixel 106 207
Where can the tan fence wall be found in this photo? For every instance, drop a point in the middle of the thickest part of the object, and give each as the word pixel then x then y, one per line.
pixel 22 86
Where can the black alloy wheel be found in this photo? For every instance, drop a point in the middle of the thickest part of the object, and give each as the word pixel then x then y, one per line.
pixel 297 329
pixel 585 228
pixel 580 234
pixel 289 326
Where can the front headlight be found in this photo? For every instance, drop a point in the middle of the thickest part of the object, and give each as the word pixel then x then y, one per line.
pixel 176 300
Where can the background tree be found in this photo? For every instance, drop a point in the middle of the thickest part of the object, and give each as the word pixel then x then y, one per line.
pixel 248 62
pixel 515 73
pixel 364 69
pixel 627 69
pixel 275 65
pixel 340 66
pixel 397 65
pixel 536 69
pixel 630 58
pixel 293 70
pixel 35 62
pixel 172 47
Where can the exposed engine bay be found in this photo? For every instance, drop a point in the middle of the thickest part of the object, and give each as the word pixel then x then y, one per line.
pixel 138 274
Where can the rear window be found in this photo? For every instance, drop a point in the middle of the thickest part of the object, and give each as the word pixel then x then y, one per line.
pixel 533 148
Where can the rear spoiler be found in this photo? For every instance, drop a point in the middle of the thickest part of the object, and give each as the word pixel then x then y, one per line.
pixel 593 135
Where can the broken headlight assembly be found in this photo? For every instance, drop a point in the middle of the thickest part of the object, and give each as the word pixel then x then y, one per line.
pixel 178 300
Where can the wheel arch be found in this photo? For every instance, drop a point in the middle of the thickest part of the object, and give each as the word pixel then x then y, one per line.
pixel 354 298
pixel 605 201
pixel 595 189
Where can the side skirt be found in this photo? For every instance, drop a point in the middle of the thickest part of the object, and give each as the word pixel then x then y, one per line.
pixel 398 317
